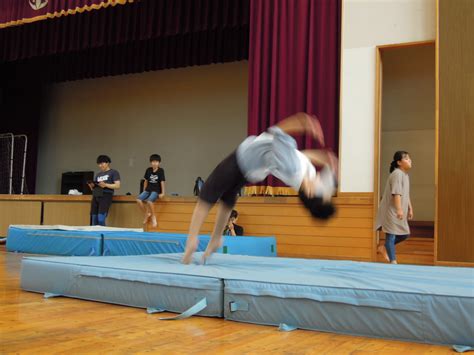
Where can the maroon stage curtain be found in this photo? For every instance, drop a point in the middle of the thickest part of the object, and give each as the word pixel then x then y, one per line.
pixel 19 12
pixel 199 48
pixel 144 35
pixel 294 65
pixel 138 21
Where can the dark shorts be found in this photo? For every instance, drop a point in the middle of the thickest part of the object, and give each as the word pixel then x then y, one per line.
pixel 101 204
pixel 224 183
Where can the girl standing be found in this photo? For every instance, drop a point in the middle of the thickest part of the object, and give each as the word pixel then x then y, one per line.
pixel 395 208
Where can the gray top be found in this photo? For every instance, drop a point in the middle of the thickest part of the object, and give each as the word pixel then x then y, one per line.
pixel 273 152
pixel 398 183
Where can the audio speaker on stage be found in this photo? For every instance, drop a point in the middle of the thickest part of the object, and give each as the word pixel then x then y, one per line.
pixel 76 180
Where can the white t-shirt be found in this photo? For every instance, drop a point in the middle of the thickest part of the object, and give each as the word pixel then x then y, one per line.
pixel 273 153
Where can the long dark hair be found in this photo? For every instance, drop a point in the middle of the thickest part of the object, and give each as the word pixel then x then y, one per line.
pixel 399 155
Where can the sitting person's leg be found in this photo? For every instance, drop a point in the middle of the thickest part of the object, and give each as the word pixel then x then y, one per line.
pixel 140 198
pixel 150 204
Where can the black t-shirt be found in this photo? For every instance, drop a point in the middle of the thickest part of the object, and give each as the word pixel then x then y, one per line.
pixel 239 230
pixel 154 179
pixel 109 177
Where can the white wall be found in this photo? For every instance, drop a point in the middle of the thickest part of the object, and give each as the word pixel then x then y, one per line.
pixel 367 24
pixel 193 117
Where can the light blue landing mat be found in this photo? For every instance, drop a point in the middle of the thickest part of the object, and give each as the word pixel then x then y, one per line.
pixel 412 303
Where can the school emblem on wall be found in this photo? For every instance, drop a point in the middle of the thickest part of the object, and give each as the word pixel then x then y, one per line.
pixel 38 4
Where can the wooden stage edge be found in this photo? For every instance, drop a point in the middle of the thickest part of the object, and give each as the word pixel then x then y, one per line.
pixel 348 236
pixel 343 198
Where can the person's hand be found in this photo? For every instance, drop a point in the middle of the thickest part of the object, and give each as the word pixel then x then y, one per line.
pixel 231 226
pixel 308 187
pixel 333 162
pixel 410 214
pixel 161 195
pixel 400 214
pixel 102 184
pixel 314 127
pixel 91 185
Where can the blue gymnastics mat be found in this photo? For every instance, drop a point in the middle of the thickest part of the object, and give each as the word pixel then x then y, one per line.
pixel 54 241
pixel 411 303
pixel 85 241
pixel 130 243
pixel 150 282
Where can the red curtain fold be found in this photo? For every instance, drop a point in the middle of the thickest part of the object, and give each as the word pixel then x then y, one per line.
pixel 138 21
pixel 294 65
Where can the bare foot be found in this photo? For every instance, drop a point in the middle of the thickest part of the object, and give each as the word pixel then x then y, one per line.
pixel 393 262
pixel 147 218
pixel 214 244
pixel 154 222
pixel 191 246
pixel 381 250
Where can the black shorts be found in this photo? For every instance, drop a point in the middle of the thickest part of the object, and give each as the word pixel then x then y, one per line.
pixel 224 183
pixel 101 204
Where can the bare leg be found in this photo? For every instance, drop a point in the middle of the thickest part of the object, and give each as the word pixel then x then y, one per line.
pixel 222 218
pixel 151 208
pixel 199 216
pixel 381 250
pixel 144 210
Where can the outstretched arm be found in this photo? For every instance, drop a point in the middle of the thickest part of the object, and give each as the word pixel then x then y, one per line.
pixel 302 123
pixel 322 157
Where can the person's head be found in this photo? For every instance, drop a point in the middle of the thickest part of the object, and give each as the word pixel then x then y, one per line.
pixel 316 206
pixel 103 161
pixel 155 161
pixel 234 215
pixel 401 160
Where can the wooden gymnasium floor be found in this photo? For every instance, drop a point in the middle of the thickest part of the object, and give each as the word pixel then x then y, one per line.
pixel 31 324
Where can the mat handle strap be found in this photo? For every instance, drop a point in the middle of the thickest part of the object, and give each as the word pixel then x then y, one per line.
pixel 151 310
pixel 283 327
pixel 239 306
pixel 198 307
pixel 462 348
